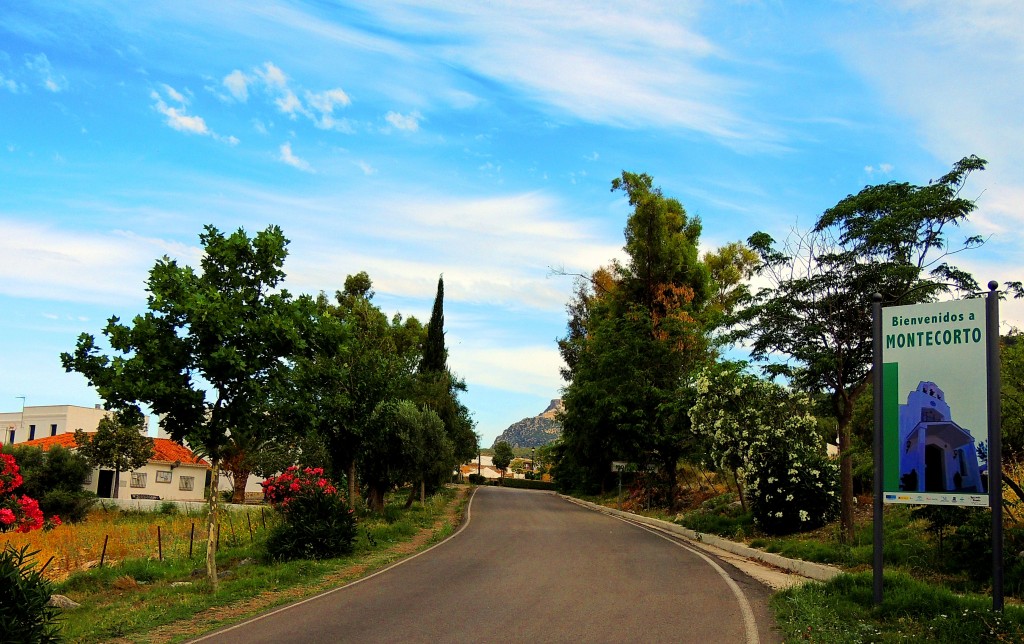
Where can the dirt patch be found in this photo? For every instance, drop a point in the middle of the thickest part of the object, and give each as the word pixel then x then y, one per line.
pixel 212 618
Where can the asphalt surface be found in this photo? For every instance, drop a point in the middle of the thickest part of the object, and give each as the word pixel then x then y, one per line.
pixel 530 566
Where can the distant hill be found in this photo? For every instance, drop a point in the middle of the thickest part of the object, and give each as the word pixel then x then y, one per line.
pixel 536 431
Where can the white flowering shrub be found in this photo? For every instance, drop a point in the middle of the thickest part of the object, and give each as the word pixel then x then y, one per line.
pixel 792 485
pixel 763 432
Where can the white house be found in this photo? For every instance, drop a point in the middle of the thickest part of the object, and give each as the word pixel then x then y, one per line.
pixel 173 473
pixel 936 454
pixel 40 421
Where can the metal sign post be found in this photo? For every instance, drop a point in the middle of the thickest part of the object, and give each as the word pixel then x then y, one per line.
pixel 619 467
pixel 995 443
pixel 876 375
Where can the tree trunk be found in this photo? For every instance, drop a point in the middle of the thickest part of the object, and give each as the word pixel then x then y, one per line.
pixel 845 479
pixel 423 492
pixel 739 490
pixel 412 497
pixel 375 497
pixel 239 479
pixel 213 527
pixel 353 488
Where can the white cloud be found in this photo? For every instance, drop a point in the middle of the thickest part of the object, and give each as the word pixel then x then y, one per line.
pixel 40 65
pixel 288 157
pixel 322 104
pixel 44 262
pixel 8 84
pixel 636 65
pixel 882 168
pixel 408 122
pixel 289 104
pixel 325 102
pixel 237 83
pixel 176 117
pixel 272 75
pixel 495 251
pixel 174 94
pixel 366 168
pixel 523 369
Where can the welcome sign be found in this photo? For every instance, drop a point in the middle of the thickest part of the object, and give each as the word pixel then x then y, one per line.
pixel 935 403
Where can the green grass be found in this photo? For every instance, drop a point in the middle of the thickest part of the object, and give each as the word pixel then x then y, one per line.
pixel 138 595
pixel 843 610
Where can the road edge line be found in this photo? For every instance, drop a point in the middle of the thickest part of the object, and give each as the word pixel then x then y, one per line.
pixel 281 609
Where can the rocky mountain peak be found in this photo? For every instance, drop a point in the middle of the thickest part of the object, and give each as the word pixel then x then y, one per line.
pixel 536 431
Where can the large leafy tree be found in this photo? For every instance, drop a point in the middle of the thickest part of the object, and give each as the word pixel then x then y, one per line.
pixel 813 323
pixel 354 361
pixel 402 444
pixel 637 335
pixel 119 443
pixel 206 355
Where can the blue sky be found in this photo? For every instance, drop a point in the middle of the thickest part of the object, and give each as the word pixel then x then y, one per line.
pixel 477 140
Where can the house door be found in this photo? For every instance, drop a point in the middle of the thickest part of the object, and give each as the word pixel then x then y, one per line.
pixel 934 470
pixel 105 484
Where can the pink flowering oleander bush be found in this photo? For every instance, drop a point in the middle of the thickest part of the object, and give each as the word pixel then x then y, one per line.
pixel 317 522
pixel 18 512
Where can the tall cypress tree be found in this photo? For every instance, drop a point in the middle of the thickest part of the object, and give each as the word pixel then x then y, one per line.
pixel 438 389
pixel 435 356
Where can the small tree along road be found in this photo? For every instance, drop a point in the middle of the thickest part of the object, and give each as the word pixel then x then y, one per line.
pixel 532 567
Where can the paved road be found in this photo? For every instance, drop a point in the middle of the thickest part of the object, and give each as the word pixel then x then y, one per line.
pixel 531 566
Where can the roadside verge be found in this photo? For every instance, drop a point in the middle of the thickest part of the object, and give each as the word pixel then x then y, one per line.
pixel 710 542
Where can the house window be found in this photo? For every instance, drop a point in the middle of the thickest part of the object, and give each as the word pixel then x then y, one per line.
pixel 31 432
pixel 53 429
pixel 163 477
pixel 185 483
pixel 11 440
pixel 138 479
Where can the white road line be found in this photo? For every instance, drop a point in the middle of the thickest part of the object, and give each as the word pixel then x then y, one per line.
pixel 465 524
pixel 749 623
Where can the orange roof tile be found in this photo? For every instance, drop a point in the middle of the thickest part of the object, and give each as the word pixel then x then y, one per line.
pixel 168 451
pixel 164 450
pixel 62 440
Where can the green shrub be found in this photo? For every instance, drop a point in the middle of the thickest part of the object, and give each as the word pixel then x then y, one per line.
pixel 719 516
pixel 477 479
pixel 24 614
pixel 792 485
pixel 168 508
pixel 70 506
pixel 315 527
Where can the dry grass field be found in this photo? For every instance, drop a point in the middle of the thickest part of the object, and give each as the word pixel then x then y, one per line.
pixel 72 547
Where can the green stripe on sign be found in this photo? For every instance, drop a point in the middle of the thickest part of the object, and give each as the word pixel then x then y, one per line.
pixel 891 426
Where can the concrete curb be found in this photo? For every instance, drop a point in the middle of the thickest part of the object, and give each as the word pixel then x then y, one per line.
pixel 810 570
